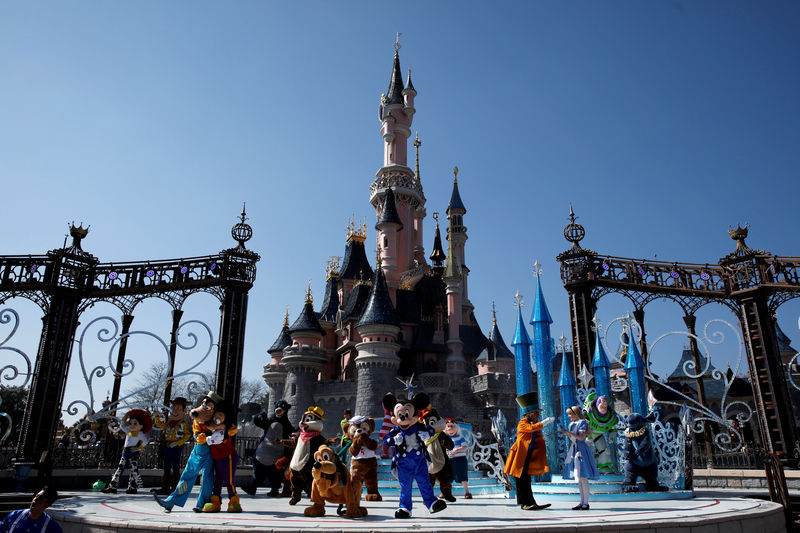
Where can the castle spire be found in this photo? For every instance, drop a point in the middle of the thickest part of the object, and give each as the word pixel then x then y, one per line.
pixel 437 256
pixel 395 94
pixel 379 308
pixel 456 205
pixel 540 312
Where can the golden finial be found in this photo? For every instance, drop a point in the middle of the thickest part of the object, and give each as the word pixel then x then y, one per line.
pixel 397 44
pixel 378 258
pixel 455 174
pixel 355 233
pixel 286 318
pixel 332 268
pixel 309 298
pixel 494 314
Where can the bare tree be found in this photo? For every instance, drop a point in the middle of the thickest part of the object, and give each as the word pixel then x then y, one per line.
pixel 149 386
pixel 252 391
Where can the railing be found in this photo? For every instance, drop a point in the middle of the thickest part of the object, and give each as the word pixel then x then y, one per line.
pixel 99 455
pixel 749 457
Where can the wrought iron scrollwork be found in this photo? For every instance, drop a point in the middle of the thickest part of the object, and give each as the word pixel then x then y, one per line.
pixel 109 333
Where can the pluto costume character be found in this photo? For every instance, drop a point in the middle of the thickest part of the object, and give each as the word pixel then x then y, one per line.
pixel 199 460
pixel 306 445
pixel 332 483
pixel 639 455
pixel 364 456
pixel 410 460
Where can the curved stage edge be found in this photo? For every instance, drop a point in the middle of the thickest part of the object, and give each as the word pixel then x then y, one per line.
pixel 90 512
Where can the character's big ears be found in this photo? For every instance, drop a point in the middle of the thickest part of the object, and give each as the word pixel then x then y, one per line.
pixel 420 401
pixel 389 401
pixel 651 417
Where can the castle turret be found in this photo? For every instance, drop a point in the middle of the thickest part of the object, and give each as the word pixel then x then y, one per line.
pixel 543 356
pixel 496 357
pixel 274 372
pixel 452 279
pixel 377 359
pixel 437 255
pixel 355 267
pixel 304 359
pixel 522 354
pixel 457 235
pixel 567 385
pixel 635 367
pixel 389 226
pixel 396 114
pixel 601 368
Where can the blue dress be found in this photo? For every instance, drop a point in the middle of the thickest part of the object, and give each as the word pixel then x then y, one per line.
pixel 579 451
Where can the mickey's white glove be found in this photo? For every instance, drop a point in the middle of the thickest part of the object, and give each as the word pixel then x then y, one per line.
pixel 547 421
pixel 398 439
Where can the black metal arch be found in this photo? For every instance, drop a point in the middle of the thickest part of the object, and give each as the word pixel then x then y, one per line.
pixel 67 281
pixel 752 283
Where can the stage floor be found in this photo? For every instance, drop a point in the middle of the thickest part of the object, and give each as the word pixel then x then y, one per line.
pixel 90 512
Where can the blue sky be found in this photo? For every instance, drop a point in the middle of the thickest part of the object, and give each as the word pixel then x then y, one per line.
pixel 662 122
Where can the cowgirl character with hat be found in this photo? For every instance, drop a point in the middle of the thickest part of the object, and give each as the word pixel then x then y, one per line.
pixel 528 456
pixel 138 423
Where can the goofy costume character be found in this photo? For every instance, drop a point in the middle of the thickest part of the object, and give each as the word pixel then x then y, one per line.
pixel 199 460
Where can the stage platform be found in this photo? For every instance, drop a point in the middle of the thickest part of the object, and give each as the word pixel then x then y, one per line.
pixel 91 512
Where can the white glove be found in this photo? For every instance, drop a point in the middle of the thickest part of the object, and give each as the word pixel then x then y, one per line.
pixel 547 421
pixel 398 439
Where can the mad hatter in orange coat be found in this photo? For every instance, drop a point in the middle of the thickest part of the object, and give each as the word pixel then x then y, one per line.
pixel 528 456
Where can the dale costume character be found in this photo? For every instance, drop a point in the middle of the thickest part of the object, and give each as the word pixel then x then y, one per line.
pixel 199 460
pixel 440 468
pixel 270 450
pixel 175 433
pixel 363 455
pixel 639 455
pixel 458 455
pixel 138 424
pixel 410 459
pixel 602 422
pixel 306 445
pixel 223 453
pixel 579 463
pixel 528 456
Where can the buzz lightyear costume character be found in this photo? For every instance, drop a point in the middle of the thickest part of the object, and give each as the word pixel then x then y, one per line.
pixel 602 421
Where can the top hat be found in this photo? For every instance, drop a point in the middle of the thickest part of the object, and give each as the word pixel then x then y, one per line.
pixel 529 402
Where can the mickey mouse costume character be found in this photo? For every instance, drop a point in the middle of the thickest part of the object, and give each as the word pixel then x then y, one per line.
pixel 410 460
pixel 528 456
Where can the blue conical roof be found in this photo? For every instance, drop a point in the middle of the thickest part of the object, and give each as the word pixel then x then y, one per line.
pixel 379 306
pixel 307 321
pixel 283 340
pixel 409 85
pixel 395 94
pixel 540 312
pixel 600 359
pixel 521 334
pixel 355 265
pixel 330 305
pixel 501 350
pixel 455 199
pixel 633 358
pixel 389 214
pixel 566 378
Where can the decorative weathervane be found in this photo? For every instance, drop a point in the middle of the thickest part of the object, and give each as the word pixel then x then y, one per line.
pixel 574 232
pixel 518 303
pixel 242 231
pixel 537 268
pixel 455 174
pixel 397 46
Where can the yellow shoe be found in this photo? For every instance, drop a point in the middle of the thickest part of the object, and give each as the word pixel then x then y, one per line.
pixel 233 505
pixel 213 506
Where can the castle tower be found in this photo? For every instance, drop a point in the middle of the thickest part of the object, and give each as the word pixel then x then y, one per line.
pixel 389 226
pixel 452 278
pixel 377 359
pixel 275 373
pixel 457 236
pixel 404 244
pixel 437 255
pixel 601 368
pixel 304 360
pixel 355 267
pixel 522 353
pixel 543 356
pixel 635 367
pixel 328 315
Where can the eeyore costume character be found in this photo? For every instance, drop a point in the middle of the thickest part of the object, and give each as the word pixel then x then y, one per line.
pixel 639 454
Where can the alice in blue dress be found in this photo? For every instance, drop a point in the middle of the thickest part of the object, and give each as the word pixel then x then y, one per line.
pixel 580 459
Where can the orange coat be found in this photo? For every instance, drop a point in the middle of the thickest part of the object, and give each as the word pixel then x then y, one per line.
pixel 515 464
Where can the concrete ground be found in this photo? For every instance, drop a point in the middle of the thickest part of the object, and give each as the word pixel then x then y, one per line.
pixel 708 512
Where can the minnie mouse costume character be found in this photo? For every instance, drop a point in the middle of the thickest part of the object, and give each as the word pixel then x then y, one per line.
pixel 410 460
